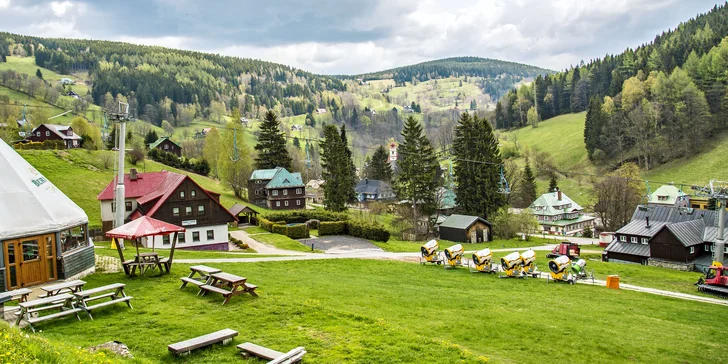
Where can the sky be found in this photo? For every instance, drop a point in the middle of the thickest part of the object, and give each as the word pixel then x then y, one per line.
pixel 353 37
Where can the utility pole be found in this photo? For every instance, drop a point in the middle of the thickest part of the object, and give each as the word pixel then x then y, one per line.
pixel 121 117
pixel 717 190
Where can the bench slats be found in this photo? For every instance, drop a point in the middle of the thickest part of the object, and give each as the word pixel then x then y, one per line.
pixel 107 303
pixel 34 320
pixel 221 291
pixel 192 280
pixel 292 356
pixel 259 351
pixel 86 293
pixel 15 293
pixel 89 299
pixel 45 301
pixel 201 341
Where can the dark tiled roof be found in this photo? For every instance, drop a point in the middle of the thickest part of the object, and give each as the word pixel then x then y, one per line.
pixel 639 228
pixel 672 214
pixel 371 186
pixel 462 221
pixel 689 233
pixel 642 250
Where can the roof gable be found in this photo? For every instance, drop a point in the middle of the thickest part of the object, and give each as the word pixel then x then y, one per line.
pixel 550 204
pixel 160 141
pixel 283 179
pixel 689 233
pixel 462 221
pixel 264 173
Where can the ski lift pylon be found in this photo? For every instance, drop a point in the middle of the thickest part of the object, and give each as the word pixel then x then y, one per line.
pixel 503 186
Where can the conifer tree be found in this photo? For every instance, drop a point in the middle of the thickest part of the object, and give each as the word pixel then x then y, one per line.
pixel 378 167
pixel 271 145
pixel 417 180
pixel 528 186
pixel 553 183
pixel 339 177
pixel 476 184
pixel 595 121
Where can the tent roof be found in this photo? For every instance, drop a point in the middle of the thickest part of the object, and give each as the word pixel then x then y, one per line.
pixel 31 204
pixel 143 226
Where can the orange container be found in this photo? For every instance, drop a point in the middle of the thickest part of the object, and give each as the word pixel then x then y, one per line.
pixel 613 282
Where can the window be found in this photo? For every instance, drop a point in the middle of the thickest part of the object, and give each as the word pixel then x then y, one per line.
pixel 298 202
pixel 181 238
pixel 286 202
pixel 48 133
pixel 182 195
pixel 188 210
pixel 127 205
pixel 113 207
pixel 73 238
pixel 201 209
pixel 257 192
pixel 166 147
pixel 165 239
pixel 275 193
pixel 37 134
pixel 31 250
pixel 725 249
pixel 285 192
pixel 633 239
pixel 692 249
pixel 175 211
pixel 644 241
pixel 195 236
pixel 210 234
pixel 298 191
pixel 193 193
pixel 278 204
pixel 707 247
pixel 622 238
pixel 75 143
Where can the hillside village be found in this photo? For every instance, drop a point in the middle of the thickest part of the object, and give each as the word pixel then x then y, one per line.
pixel 148 217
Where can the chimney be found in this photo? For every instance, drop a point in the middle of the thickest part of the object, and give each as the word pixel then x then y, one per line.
pixel 133 174
pixel 559 194
pixel 647 219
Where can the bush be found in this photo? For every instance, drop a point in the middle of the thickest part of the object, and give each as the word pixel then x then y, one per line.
pixel 238 242
pixel 313 224
pixel 332 228
pixel 280 229
pixel 366 230
pixel 302 216
pixel 44 145
pixel 299 231
pixel 265 224
pixel 195 166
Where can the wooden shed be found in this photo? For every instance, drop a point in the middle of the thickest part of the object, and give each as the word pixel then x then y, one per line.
pixel 466 229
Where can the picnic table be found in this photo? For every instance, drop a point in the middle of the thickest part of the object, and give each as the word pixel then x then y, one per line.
pixel 236 285
pixel 20 295
pixel 114 291
pixel 62 301
pixel 203 272
pixel 64 287
pixel 146 261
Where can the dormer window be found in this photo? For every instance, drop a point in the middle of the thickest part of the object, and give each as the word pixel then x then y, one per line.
pixel 69 132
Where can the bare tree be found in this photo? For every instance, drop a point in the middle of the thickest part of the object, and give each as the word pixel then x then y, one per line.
pixel 617 196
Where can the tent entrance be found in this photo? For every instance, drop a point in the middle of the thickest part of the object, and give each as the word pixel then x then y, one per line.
pixel 30 261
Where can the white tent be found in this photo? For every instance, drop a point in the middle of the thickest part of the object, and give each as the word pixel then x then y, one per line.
pixel 29 203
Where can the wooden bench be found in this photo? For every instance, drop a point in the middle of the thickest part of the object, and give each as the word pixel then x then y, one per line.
pixel 204 273
pixel 117 296
pixel 63 287
pixel 226 294
pixel 184 347
pixel 63 301
pixel 275 357
pixel 20 295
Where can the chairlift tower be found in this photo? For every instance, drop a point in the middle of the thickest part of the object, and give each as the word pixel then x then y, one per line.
pixel 121 116
pixel 717 190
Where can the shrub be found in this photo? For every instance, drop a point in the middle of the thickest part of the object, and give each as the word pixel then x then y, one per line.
pixel 313 224
pixel 280 229
pixel 366 230
pixel 238 242
pixel 265 224
pixel 332 228
pixel 299 231
pixel 301 216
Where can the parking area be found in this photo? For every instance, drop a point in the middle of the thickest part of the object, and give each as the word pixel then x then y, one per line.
pixel 340 243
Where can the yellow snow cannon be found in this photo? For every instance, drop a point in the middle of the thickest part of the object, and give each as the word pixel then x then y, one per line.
pixel 430 253
pixel 511 264
pixel 483 262
pixel 528 264
pixel 560 269
pixel 453 255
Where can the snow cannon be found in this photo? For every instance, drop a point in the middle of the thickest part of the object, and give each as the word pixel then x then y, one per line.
pixel 430 252
pixel 453 255
pixel 559 268
pixel 528 264
pixel 578 269
pixel 511 264
pixel 483 261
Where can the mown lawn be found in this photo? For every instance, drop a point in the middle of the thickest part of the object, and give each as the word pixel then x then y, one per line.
pixel 399 246
pixel 282 242
pixel 255 230
pixel 104 249
pixel 366 311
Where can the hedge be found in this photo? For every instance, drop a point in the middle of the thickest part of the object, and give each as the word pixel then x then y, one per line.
pixel 265 224
pixel 301 216
pixel 332 228
pixel 280 229
pixel 366 230
pixel 299 231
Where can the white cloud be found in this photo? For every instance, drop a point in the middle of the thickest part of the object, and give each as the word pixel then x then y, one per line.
pixel 60 8
pixel 4 4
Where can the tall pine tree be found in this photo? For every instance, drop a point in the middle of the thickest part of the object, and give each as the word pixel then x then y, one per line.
pixel 417 180
pixel 379 167
pixel 477 183
pixel 528 187
pixel 596 119
pixel 271 145
pixel 553 183
pixel 337 172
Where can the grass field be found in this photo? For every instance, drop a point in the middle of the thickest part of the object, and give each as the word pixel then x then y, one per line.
pixel 104 249
pixel 81 175
pixel 255 230
pixel 283 242
pixel 359 311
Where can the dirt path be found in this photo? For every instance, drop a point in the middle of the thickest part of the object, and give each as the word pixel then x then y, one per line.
pixel 258 246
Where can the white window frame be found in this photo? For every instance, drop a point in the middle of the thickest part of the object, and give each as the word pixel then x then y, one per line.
pixel 692 249
pixel 622 238
pixel 210 232
pixel 48 133
pixel 193 193
pixel 175 211
pixel 75 143
pixel 200 210
pixel 298 191
pixel 37 133
pixel 707 248
pixel 644 241
pixel 274 193
pixel 278 204
pixel 257 192
pixel 166 147
pixel 633 239
pixel 285 192
pixel 285 203
pixel 298 202
pixel 182 195
pixel 188 210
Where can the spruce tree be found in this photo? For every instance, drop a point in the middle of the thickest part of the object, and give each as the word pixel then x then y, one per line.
pixel 150 138
pixel 271 145
pixel 528 186
pixel 593 126
pixel 553 183
pixel 417 180
pixel 345 142
pixel 477 167
pixel 339 177
pixel 39 74
pixel 379 167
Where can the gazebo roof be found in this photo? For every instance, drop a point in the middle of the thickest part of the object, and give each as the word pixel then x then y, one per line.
pixel 143 226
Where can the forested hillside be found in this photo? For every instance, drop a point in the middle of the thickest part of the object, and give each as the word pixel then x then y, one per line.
pixel 651 104
pixel 497 76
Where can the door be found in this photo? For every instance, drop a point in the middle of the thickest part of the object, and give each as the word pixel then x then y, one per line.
pixel 31 261
pixel 12 265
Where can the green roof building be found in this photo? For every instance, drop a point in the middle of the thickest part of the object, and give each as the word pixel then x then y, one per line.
pixel 667 195
pixel 277 189
pixel 557 214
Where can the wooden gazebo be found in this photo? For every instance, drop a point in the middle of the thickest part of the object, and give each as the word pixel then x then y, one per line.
pixel 137 229
pixel 244 214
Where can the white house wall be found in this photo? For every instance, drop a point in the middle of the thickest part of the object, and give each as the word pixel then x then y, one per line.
pixel 221 236
pixel 108 215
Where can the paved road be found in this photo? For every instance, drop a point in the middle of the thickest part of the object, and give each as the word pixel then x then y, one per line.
pixel 335 244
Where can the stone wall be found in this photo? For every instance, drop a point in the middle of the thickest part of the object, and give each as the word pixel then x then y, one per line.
pixel 687 267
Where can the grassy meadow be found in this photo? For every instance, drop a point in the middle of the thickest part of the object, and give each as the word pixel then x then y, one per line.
pixel 364 311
